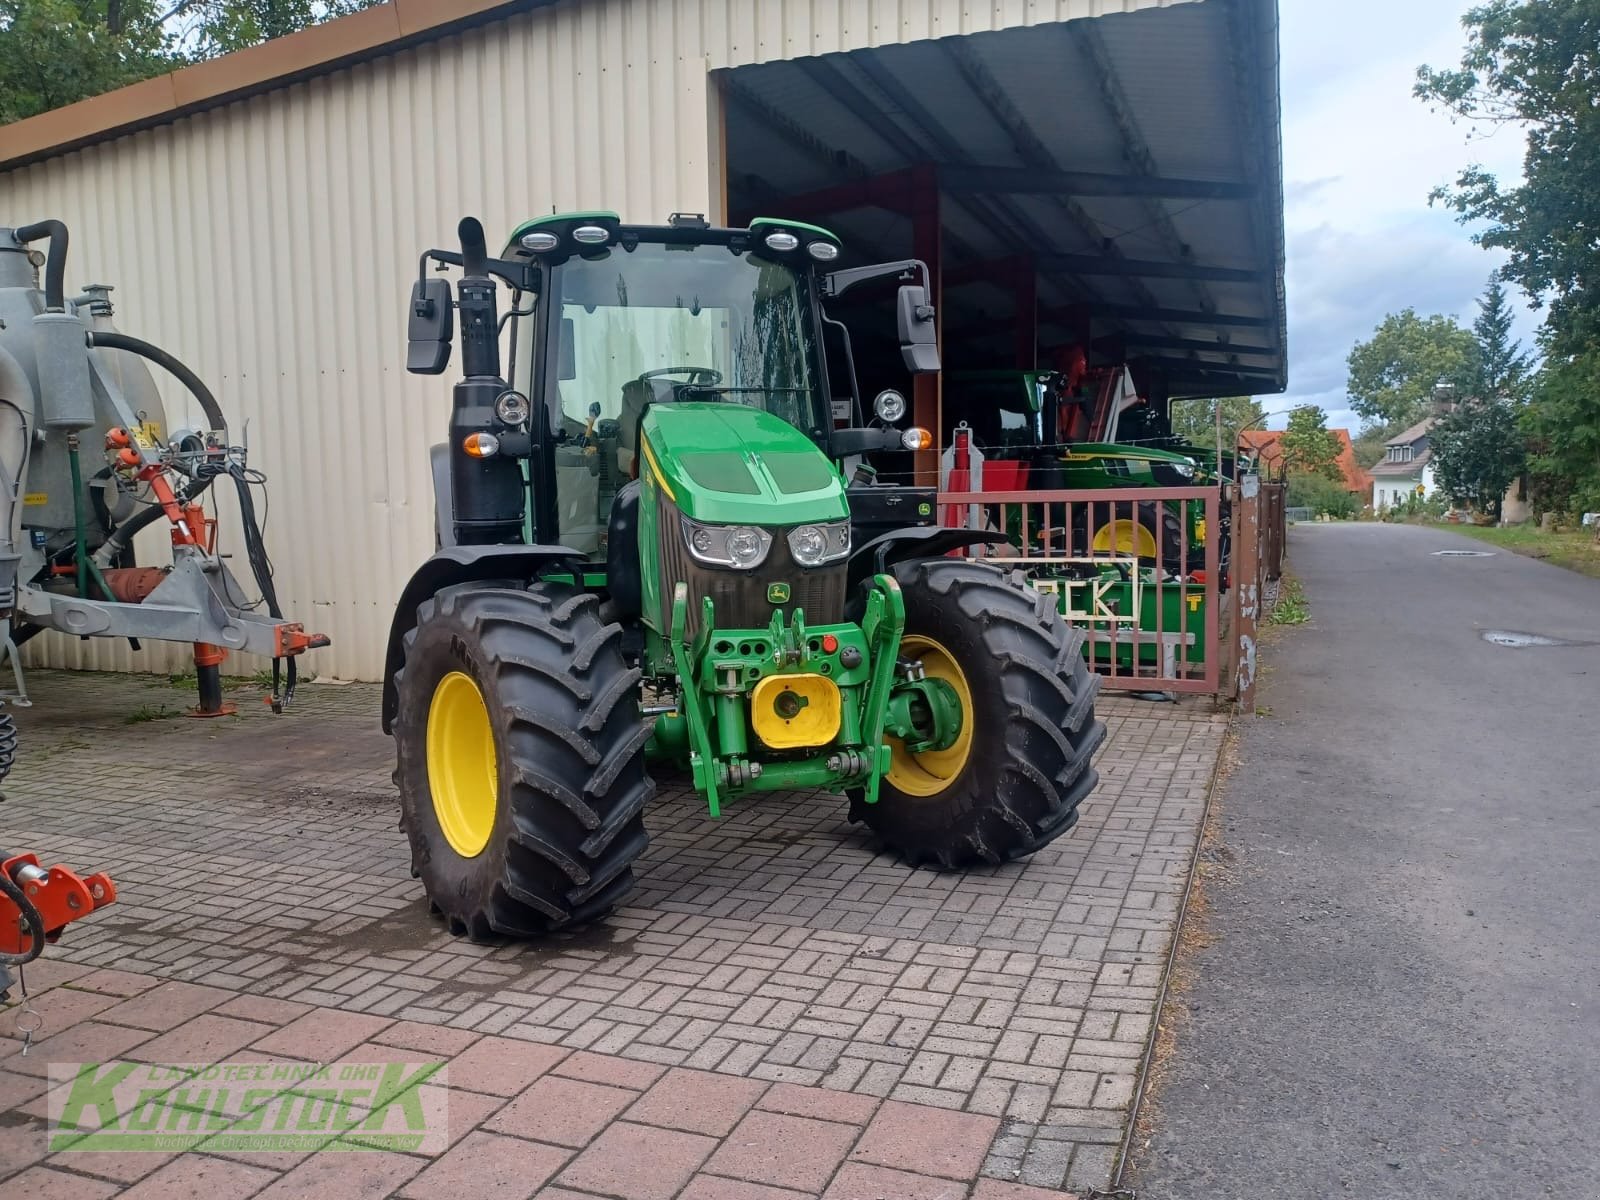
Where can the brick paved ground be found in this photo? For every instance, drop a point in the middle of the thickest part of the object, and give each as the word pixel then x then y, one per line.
pixel 780 1012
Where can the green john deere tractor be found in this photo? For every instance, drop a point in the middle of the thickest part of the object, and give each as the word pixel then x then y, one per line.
pixel 648 554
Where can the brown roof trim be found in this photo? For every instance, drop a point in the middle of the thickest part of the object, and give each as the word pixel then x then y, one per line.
pixel 370 33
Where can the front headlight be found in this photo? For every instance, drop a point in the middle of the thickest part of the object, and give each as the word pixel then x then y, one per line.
pixel 740 546
pixel 1185 468
pixel 813 545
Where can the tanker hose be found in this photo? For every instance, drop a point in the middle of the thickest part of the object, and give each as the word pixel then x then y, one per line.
pixel 55 267
pixel 86 568
pixel 196 386
pixel 8 740
pixel 122 537
pixel 285 675
pixel 30 919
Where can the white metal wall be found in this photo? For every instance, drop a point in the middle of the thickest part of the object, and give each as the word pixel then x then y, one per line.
pixel 271 243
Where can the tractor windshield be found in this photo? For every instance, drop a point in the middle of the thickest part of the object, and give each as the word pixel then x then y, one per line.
pixel 664 322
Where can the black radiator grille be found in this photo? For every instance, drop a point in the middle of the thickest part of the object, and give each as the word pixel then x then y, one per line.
pixel 741 596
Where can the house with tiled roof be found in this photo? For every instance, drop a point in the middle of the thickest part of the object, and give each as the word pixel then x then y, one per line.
pixel 1407 467
pixel 1266 447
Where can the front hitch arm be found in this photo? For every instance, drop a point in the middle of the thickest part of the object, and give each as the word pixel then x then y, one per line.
pixel 883 625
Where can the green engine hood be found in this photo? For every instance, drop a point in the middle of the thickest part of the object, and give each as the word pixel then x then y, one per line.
pixel 733 465
pixel 1084 450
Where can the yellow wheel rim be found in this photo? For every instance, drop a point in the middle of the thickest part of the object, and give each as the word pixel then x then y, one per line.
pixel 931 771
pixel 1125 537
pixel 462 771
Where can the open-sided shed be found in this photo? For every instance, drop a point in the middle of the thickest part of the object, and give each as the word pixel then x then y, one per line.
pixel 1101 173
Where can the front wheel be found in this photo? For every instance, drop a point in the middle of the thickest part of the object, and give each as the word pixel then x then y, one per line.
pixel 1013 778
pixel 520 759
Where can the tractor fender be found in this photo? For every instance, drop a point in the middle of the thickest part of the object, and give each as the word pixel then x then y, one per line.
pixel 914 541
pixel 450 566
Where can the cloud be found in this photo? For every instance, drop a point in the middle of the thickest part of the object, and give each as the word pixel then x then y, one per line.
pixel 1361 155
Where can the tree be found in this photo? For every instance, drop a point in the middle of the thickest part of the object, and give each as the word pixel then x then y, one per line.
pixel 1393 373
pixel 1321 495
pixel 1478 453
pixel 56 52
pixel 1195 422
pixel 1503 365
pixel 1531 64
pixel 1308 447
pixel 1563 429
pixel 207 28
pixel 1371 445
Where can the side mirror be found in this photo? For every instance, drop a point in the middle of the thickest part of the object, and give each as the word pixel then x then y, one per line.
pixel 919 336
pixel 429 327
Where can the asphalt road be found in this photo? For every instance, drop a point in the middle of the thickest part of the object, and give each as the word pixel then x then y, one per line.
pixel 1404 995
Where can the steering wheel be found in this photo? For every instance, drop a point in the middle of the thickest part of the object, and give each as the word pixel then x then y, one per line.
pixel 701 376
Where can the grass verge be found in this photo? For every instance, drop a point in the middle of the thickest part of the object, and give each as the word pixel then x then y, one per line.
pixel 1291 607
pixel 1576 550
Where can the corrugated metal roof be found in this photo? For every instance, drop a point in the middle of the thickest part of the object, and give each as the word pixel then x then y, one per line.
pixel 1188 92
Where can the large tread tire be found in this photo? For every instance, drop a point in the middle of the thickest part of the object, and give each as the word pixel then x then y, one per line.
pixel 569 745
pixel 1035 729
pixel 1164 528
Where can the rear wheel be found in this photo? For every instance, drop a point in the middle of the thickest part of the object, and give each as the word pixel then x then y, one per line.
pixel 1131 532
pixel 1012 780
pixel 520 759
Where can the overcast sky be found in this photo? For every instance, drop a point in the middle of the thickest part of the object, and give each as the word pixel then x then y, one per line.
pixel 1360 156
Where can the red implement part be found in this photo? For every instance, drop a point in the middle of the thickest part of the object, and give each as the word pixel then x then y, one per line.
pixel 59 894
pixel 292 639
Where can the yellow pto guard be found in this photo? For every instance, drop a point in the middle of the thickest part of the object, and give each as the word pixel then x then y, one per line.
pixel 790 712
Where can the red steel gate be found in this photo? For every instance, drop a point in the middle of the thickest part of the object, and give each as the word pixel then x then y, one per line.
pixel 1136 568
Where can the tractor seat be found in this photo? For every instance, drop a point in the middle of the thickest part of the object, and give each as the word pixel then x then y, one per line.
pixel 635 397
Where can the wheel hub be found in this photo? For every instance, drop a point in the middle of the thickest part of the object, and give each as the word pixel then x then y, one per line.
pixel 462 766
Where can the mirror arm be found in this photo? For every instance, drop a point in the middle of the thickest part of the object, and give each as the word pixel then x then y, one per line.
pixel 839 282
pixel 521 276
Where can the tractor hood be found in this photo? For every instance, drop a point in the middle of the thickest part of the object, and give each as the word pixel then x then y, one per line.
pixel 1087 450
pixel 733 465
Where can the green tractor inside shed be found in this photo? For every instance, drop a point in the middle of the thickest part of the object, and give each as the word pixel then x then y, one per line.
pixel 649 558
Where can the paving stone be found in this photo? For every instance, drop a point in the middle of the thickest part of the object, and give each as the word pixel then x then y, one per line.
pixel 166 1006
pixel 427 1039
pixel 368 1175
pixel 21 1144
pixel 47 1183
pixel 697 1101
pixel 616 1072
pixel 488 1165
pixel 59 1009
pixel 502 1066
pixel 262 1008
pixel 715 1187
pixel 997 1189
pixel 638 1162
pixel 928 1140
pixel 784 1151
pixel 824 1104
pixel 861 1181
pixel 207 1038
pixel 775 944
pixel 321 1034
pixel 85 1042
pixel 568 1112
pixel 197 1177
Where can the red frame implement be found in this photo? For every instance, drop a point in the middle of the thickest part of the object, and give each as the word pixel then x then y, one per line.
pixel 60 895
